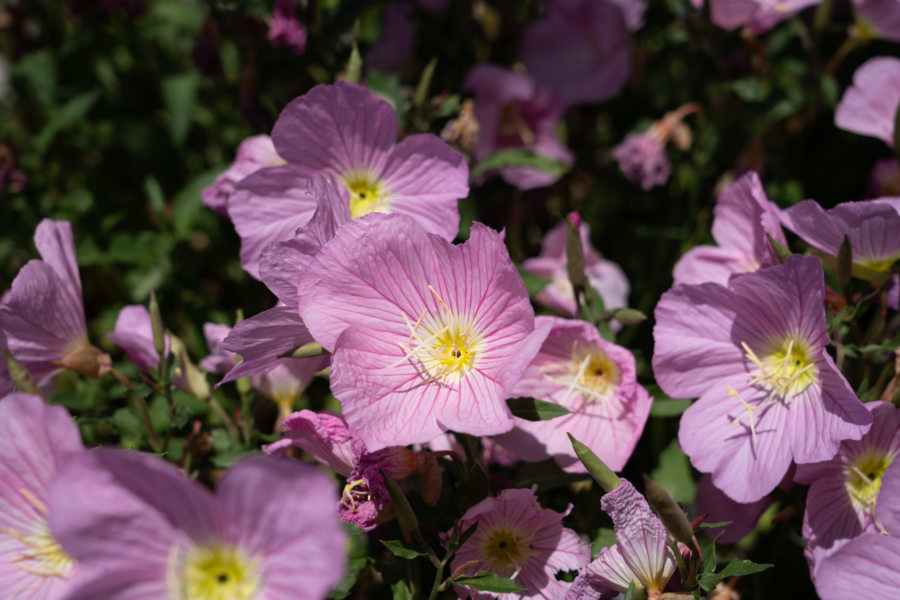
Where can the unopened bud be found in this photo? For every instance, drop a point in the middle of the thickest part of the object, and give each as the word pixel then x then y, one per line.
pixel 88 360
pixel 671 515
pixel 156 323
pixel 575 252
pixel 192 376
pixel 402 508
pixel 20 376
pixel 844 263
pixel 602 474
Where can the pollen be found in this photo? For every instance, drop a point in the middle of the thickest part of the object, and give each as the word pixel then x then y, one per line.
pixel 216 572
pixel 41 555
pixel 590 374
pixel 506 549
pixel 367 194
pixel 862 477
pixel 784 369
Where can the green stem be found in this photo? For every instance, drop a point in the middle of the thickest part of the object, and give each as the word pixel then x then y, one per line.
pixel 140 406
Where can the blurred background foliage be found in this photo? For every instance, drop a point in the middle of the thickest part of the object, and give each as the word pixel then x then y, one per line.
pixel 116 115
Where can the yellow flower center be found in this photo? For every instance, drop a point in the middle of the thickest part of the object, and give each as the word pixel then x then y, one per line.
pixel 505 550
pixel 355 492
pixel 787 367
pixel 591 373
pixel 216 572
pixel 367 194
pixel 41 555
pixel 862 477
pixel 882 265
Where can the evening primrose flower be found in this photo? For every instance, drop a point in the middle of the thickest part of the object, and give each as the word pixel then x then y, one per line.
pixel 147 531
pixel 345 131
pixel 758 16
pixel 35 441
pixel 641 554
pixel 755 354
pixel 518 539
pixel 592 378
pixel 869 106
pixel 253 154
pixel 426 336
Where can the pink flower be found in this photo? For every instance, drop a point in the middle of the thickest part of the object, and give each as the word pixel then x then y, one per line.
pixel 717 507
pixel 133 333
pixel 516 538
pixel 43 315
pixel 868 562
pixel 514 112
pixel 284 29
pixel 35 441
pixel 147 531
pixel 605 276
pixel 253 154
pixel 844 491
pixel 755 354
pixel 345 131
pixel 6 384
pixel 879 18
pixel 642 158
pixel 641 554
pixel 397 44
pixel 758 16
pixel 579 50
pixel 885 179
pixel 426 336
pixel 743 217
pixel 596 381
pixel 869 107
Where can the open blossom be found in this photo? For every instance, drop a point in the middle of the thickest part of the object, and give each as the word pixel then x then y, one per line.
pixel 345 131
pixel 604 276
pixel 758 16
pixel 253 154
pixel 754 353
pixel 147 531
pixel 426 336
pixel 868 562
pixel 641 554
pixel 596 381
pixel 516 538
pixel 844 491
pixel 514 112
pixel 43 315
pixel 284 28
pixel 35 441
pixel 878 18
pixel 741 518
pixel 869 106
pixel 579 50
pixel 744 216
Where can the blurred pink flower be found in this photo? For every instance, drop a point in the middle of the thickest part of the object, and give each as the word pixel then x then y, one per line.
pixel 596 381
pixel 879 18
pixel 755 354
pixel 133 333
pixel 518 539
pixel 642 156
pixel 758 16
pixel 426 336
pixel 253 154
pixel 284 28
pixel 148 531
pixel 869 106
pixel 885 179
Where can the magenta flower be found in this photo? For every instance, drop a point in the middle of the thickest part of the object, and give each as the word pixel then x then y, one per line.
pixel 284 28
pixel 516 538
pixel 579 50
pixel 345 131
pixel 755 354
pixel 253 154
pixel 641 554
pixel 869 107
pixel 43 315
pixel 759 16
pixel 878 18
pixel 871 226
pixel 844 491
pixel 35 441
pixel 717 507
pixel 147 531
pixel 596 381
pixel 605 276
pixel 743 217
pixel 397 44
pixel 514 112
pixel 868 562
pixel 426 336
pixel 6 384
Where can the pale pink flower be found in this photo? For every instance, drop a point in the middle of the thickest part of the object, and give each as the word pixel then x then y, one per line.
pixel 596 381
pixel 755 354
pixel 148 531
pixel 133 333
pixel 253 154
pixel 641 554
pixel 36 440
pixel 758 16
pixel 519 539
pixel 426 336
pixel 869 106
pixel 604 276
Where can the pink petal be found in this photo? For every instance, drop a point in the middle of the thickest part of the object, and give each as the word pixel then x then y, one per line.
pixel 870 105
pixel 134 334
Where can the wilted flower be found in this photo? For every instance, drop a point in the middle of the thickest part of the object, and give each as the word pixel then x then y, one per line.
pixel 518 539
pixel 426 336
pixel 146 530
pixel 641 554
pixel 35 441
pixel 755 354
pixel 253 154
pixel 869 106
pixel 642 156
pixel 592 378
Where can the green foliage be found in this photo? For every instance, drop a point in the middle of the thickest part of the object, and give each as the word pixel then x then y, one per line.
pixel 532 409
pixel 488 582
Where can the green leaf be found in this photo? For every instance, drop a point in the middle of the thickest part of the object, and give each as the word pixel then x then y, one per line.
pixel 421 94
pixel 354 66
pixel 400 591
pixel 635 593
pixel 629 316
pixel 532 409
pixel 533 283
pixel 73 111
pixel 736 567
pixel 707 551
pixel 604 538
pixel 674 473
pixel 398 549
pixel 663 405
pixel 488 582
pixel 519 158
pixel 714 525
pixel 179 94
pixel 358 558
